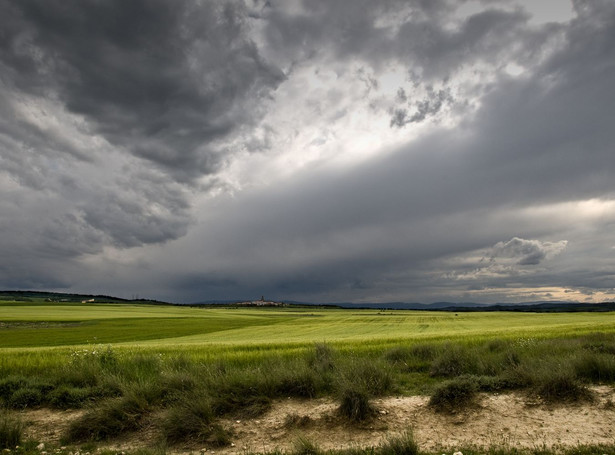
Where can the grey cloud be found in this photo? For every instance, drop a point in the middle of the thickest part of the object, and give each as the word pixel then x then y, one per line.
pixel 180 74
pixel 428 107
pixel 527 252
pixel 540 139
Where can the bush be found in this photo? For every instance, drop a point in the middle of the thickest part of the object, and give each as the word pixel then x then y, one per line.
pixel 454 395
pixel 404 444
pixel 355 405
pixel 10 431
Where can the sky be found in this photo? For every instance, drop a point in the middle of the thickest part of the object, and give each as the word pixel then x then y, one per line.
pixel 317 150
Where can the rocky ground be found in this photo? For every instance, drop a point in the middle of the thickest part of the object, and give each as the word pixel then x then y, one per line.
pixel 499 419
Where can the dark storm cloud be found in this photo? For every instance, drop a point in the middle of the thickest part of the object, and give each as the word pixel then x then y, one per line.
pixel 536 140
pixel 160 79
pixel 115 115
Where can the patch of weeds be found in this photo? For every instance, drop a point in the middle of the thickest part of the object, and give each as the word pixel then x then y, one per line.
pixel 403 444
pixel 10 385
pixel 110 418
pixel 68 397
pixel 595 367
pixel 398 355
pixel 303 446
pixel 28 397
pixel 11 429
pixel 355 405
pixel 454 395
pixel 453 361
pixel 190 419
pixel 374 376
pixel 561 387
pixel 497 345
pixel 322 358
pixel 302 384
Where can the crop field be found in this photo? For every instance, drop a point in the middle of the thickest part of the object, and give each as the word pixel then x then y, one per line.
pixel 183 370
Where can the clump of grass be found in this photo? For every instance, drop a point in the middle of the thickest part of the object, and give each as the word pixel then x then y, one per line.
pixel 322 358
pixel 194 420
pixel 453 361
pixel 454 395
pixel 69 397
pixel 11 430
pixel 561 387
pixel 303 446
pixel 297 383
pixel 403 444
pixel 109 419
pixel 374 376
pixel 355 405
pixel 28 397
pixel 595 367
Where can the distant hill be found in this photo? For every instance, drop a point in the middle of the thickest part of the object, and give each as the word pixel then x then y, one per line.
pixel 31 296
pixel 458 307
pixel 535 307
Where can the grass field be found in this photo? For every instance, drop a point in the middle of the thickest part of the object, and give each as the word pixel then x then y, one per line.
pixel 197 365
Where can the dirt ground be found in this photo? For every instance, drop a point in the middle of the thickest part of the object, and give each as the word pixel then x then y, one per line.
pixel 500 419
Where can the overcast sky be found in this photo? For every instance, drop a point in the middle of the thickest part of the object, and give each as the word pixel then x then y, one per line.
pixel 318 150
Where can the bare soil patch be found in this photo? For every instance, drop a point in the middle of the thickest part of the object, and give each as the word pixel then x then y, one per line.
pixel 512 420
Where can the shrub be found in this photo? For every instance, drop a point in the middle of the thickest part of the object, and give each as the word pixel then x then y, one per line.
pixel 10 431
pixel 355 405
pixel 454 395
pixel 404 444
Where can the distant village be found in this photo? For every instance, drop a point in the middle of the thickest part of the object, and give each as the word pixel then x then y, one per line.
pixel 261 302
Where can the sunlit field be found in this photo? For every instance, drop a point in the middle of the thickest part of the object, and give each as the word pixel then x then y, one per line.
pixel 192 366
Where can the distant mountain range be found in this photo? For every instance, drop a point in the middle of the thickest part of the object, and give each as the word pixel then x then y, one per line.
pixel 541 306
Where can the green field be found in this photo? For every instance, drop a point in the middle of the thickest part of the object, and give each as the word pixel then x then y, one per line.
pixel 160 326
pixel 199 364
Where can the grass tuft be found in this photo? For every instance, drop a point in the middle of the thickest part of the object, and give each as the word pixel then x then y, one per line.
pixel 403 444
pixel 561 387
pixel 190 419
pixel 110 418
pixel 355 405
pixel 11 430
pixel 303 446
pixel 454 395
